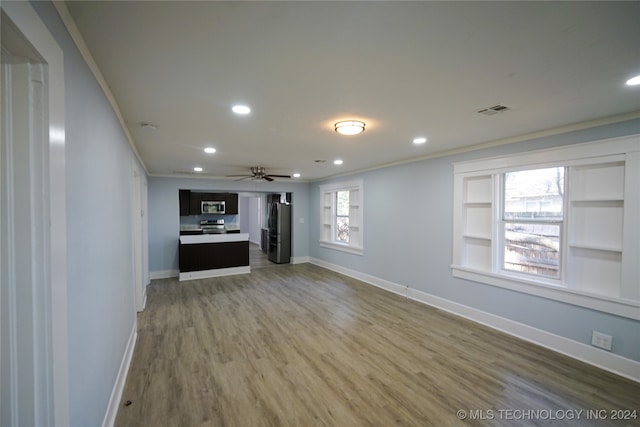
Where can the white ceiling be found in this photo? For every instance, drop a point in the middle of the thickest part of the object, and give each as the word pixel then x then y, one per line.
pixel 407 69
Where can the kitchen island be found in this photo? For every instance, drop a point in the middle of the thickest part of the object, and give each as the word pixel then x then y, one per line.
pixel 213 255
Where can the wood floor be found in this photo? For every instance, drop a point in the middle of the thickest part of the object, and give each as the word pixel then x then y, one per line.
pixel 298 345
pixel 258 259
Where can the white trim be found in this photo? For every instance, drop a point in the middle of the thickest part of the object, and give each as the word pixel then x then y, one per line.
pixel 371 280
pixel 116 393
pixel 611 362
pixel 54 300
pixel 300 260
pixel 355 184
pixel 620 307
pixel 553 156
pixel 327 237
pixel 613 150
pixel 137 215
pixel 216 272
pixel 342 247
pixel 163 274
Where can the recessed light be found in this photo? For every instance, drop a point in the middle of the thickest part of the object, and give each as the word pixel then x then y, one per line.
pixel 337 162
pixel 197 169
pixel 633 81
pixel 209 150
pixel 420 140
pixel 241 109
pixel 296 175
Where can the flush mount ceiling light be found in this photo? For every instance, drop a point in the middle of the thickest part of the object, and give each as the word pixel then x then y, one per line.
pixel 349 127
pixel 197 169
pixel 241 109
pixel 148 126
pixel 634 81
pixel 420 140
pixel 296 175
pixel 209 150
pixel 337 162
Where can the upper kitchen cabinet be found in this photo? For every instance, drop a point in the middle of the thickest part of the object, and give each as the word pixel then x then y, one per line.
pixel 194 203
pixel 185 202
pixel 231 203
pixel 191 202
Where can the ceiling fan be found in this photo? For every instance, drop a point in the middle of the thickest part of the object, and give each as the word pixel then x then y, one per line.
pixel 258 173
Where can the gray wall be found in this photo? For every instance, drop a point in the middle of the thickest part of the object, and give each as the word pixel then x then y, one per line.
pixel 164 215
pixel 101 312
pixel 408 212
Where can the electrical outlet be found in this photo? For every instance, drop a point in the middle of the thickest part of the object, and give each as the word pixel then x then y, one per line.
pixel 598 339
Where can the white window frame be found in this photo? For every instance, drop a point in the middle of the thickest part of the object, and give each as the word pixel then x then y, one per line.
pixel 500 233
pixel 328 209
pixel 477 228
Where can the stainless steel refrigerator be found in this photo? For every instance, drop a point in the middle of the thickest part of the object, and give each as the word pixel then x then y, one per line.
pixel 279 233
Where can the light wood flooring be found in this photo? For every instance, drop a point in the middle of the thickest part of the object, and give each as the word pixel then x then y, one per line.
pixel 298 345
pixel 258 259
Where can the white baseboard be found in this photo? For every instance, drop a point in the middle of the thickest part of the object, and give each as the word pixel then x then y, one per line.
pixel 118 387
pixel 602 359
pixel 299 260
pixel 163 274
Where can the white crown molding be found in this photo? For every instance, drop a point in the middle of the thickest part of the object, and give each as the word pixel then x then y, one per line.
pixel 77 38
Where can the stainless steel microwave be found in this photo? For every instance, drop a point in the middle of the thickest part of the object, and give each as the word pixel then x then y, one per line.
pixel 216 207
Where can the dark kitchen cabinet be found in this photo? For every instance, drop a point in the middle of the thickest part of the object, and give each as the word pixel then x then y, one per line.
pixel 185 200
pixel 194 203
pixel 190 202
pixel 231 204
pixel 209 256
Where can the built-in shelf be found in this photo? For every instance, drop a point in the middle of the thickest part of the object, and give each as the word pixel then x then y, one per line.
pixel 613 199
pixel 596 247
pixel 596 220
pixel 477 204
pixel 477 236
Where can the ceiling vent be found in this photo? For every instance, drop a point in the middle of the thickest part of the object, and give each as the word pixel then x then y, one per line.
pixel 491 111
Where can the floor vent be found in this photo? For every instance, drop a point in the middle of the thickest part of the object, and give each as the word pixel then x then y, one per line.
pixel 493 110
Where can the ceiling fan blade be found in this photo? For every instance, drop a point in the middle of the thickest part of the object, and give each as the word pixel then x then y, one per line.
pixel 279 176
pixel 268 178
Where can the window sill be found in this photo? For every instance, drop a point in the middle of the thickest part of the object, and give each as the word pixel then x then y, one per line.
pixel 621 307
pixel 342 247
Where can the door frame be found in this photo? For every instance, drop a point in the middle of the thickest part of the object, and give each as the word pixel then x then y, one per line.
pixel 46 400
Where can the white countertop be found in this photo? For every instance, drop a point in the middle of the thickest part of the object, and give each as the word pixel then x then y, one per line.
pixel 214 238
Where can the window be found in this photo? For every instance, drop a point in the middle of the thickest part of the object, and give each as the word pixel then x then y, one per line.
pixel 560 223
pixel 341 216
pixel 532 221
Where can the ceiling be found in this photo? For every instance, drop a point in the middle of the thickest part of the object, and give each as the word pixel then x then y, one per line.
pixel 407 69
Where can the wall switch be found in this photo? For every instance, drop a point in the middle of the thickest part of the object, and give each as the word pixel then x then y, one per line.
pixel 598 339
